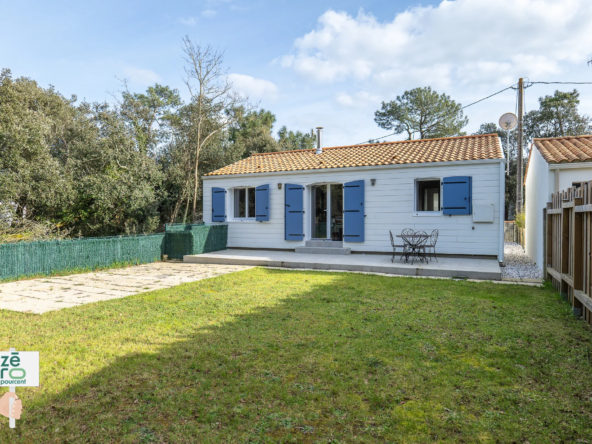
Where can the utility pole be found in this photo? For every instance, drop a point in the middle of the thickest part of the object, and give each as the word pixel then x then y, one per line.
pixel 519 147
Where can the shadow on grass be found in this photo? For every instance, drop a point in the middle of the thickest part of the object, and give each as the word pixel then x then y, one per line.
pixel 276 356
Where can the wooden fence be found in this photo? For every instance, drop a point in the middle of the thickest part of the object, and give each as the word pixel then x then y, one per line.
pixel 513 233
pixel 568 249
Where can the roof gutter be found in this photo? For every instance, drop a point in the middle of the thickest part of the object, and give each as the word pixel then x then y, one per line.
pixel 570 165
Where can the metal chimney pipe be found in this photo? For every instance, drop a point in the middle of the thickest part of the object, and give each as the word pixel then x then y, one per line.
pixel 319 141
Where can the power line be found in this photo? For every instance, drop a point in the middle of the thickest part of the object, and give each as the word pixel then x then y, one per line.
pixel 466 106
pixel 494 94
pixel 560 83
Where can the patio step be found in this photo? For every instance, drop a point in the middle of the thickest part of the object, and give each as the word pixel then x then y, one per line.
pixel 487 269
pixel 323 250
pixel 324 243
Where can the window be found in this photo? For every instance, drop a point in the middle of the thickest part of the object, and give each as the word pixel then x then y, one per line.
pixel 244 203
pixel 576 184
pixel 427 195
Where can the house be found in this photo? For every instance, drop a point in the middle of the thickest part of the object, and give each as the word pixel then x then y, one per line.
pixel 554 164
pixel 353 195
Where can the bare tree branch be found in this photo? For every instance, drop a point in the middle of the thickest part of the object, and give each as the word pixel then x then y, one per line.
pixel 212 98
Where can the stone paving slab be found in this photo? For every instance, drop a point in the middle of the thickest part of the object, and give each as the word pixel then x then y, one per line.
pixel 54 293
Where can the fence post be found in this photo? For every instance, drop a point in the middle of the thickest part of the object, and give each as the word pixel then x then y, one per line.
pixel 545 241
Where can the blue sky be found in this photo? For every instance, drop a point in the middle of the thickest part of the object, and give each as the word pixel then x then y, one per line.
pixel 312 63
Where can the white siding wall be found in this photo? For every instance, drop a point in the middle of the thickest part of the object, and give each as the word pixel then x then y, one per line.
pixel 540 184
pixel 389 206
pixel 537 194
pixel 568 176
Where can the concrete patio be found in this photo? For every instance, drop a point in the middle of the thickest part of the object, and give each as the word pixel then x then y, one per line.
pixel 485 269
pixel 54 293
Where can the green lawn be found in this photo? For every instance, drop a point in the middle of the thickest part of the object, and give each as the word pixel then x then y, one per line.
pixel 313 357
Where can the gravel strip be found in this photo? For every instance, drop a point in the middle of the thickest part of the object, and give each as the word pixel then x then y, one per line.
pixel 518 264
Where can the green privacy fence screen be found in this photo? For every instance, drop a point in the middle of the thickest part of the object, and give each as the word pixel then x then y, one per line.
pixel 182 239
pixel 47 257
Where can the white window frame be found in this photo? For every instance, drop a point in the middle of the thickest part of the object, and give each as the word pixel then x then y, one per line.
pixel 417 212
pixel 247 218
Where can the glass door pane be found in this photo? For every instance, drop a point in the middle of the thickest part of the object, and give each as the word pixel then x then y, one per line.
pixel 319 197
pixel 336 212
pixel 251 202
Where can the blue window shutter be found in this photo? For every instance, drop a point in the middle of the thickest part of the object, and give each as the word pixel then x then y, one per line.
pixel 218 204
pixel 353 208
pixel 262 203
pixel 457 195
pixel 294 224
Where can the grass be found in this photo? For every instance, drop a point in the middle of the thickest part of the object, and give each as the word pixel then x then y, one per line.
pixel 309 357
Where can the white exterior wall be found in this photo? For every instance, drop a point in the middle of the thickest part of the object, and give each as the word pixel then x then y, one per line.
pixel 567 176
pixel 544 179
pixel 537 192
pixel 389 205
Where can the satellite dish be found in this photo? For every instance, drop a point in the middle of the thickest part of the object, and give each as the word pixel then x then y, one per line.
pixel 508 121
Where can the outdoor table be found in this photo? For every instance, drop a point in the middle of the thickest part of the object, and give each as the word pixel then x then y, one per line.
pixel 417 248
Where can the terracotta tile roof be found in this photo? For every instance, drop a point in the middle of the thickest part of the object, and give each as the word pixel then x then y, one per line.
pixel 565 149
pixel 562 150
pixel 447 149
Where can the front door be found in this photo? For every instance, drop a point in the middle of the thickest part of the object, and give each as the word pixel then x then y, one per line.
pixel 327 212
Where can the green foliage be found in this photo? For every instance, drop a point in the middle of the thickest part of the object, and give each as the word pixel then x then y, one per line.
pixel 424 112
pixel 272 356
pixel 17 229
pixel 253 132
pixel 289 140
pixel 35 127
pixel 520 220
pixel 150 114
pixel 94 169
pixel 557 116
pixel 80 167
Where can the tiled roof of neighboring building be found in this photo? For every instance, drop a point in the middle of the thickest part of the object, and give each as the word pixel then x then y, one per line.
pixel 565 149
pixel 447 149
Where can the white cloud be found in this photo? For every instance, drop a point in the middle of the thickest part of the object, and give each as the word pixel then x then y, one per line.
pixel 189 21
pixel 208 13
pixel 357 100
pixel 139 76
pixel 255 88
pixel 456 42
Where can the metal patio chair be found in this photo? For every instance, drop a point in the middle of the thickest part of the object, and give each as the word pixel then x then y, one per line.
pixel 431 245
pixel 419 248
pixel 395 246
pixel 407 236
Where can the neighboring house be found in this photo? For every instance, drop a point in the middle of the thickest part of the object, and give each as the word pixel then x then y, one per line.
pixel 356 194
pixel 554 164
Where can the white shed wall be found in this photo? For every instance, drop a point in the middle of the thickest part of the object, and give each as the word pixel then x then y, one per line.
pixel 543 180
pixel 389 206
pixel 537 194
